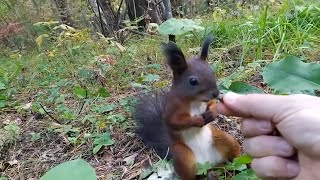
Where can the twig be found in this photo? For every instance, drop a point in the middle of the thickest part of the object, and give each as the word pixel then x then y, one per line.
pixel 100 17
pixel 49 114
pixel 83 103
pixel 118 11
pixel 158 3
pixel 134 31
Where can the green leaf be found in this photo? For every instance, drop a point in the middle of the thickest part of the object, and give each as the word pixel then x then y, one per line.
pixel 243 88
pixel 202 169
pixel 97 148
pixel 3 178
pixel 71 170
pixel 117 117
pixel 236 167
pixel 35 136
pixel 104 108
pixel 80 92
pixel 247 174
pixel 151 78
pixel 244 159
pixel 2 86
pixel 175 26
pixel 104 139
pixel 103 92
pixel 291 74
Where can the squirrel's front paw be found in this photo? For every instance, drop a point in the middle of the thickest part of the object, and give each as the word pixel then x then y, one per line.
pixel 209 116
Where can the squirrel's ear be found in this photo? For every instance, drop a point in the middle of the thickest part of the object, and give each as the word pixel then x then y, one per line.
pixel 175 57
pixel 205 47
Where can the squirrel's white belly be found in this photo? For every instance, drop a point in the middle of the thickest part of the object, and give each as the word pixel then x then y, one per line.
pixel 200 140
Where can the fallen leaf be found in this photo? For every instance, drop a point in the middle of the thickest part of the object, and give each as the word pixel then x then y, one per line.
pixel 122 49
pixel 130 159
pixel 27 106
pixel 13 162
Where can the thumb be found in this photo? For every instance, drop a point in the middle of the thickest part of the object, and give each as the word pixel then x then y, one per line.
pixel 260 106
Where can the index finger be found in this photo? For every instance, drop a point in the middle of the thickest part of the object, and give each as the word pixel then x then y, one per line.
pixel 260 106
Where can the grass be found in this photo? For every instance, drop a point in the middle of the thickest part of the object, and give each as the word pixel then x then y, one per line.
pixel 71 76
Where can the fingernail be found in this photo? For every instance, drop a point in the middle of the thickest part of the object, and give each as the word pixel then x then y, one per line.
pixel 264 125
pixel 284 148
pixel 293 169
pixel 230 97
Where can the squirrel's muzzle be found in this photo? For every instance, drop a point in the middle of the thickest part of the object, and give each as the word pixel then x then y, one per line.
pixel 215 93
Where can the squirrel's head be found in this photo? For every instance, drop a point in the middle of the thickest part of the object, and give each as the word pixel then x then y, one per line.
pixel 192 78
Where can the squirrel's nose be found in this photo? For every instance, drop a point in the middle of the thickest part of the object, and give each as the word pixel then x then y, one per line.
pixel 215 93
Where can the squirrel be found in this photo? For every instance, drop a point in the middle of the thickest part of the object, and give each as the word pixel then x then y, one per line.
pixel 177 123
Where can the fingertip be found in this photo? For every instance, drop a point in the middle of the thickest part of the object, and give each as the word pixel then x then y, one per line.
pixel 230 97
pixel 223 109
pixel 275 167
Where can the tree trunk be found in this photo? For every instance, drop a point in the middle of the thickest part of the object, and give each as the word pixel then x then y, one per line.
pixel 147 11
pixel 176 7
pixel 105 16
pixel 136 9
pixel 64 13
pixel 109 15
pixel 168 15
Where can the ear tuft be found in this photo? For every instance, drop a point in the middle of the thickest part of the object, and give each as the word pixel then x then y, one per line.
pixel 205 47
pixel 175 57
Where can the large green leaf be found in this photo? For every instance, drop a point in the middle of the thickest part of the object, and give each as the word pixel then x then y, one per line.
pixel 243 88
pixel 71 170
pixel 291 74
pixel 179 26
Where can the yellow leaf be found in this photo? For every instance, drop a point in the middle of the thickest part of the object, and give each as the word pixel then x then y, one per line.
pixel 39 39
pixel 102 125
pixel 51 53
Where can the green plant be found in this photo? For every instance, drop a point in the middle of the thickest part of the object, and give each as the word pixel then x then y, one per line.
pixel 240 164
pixel 202 169
pixel 161 170
pixel 292 75
pixel 77 169
pixel 35 136
pixel 175 26
pixel 102 140
pixel 13 130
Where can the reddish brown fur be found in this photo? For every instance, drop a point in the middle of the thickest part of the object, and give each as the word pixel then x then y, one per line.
pixel 178 118
pixel 177 115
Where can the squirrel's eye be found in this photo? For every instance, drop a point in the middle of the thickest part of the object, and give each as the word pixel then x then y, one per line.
pixel 193 81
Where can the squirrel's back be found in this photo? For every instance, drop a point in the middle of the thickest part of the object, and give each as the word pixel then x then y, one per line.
pixel 150 127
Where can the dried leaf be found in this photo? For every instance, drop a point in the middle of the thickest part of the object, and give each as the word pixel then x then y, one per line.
pixel 130 159
pixel 122 49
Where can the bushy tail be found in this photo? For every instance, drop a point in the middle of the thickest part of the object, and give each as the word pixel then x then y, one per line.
pixel 150 127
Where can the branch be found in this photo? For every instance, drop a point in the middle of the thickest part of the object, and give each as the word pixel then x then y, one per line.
pixel 134 31
pixel 100 19
pixel 49 114
pixel 83 103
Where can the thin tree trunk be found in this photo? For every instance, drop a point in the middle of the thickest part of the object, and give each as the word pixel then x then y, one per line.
pixel 64 13
pixel 109 15
pixel 168 15
pixel 168 9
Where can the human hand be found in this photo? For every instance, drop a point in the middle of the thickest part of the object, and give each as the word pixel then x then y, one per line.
pixel 296 117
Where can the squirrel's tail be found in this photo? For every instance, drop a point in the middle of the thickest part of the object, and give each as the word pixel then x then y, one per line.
pixel 150 127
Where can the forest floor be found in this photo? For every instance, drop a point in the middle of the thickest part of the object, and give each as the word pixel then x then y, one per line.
pixel 73 96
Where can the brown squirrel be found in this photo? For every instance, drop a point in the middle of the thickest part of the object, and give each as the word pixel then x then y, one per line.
pixel 179 120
